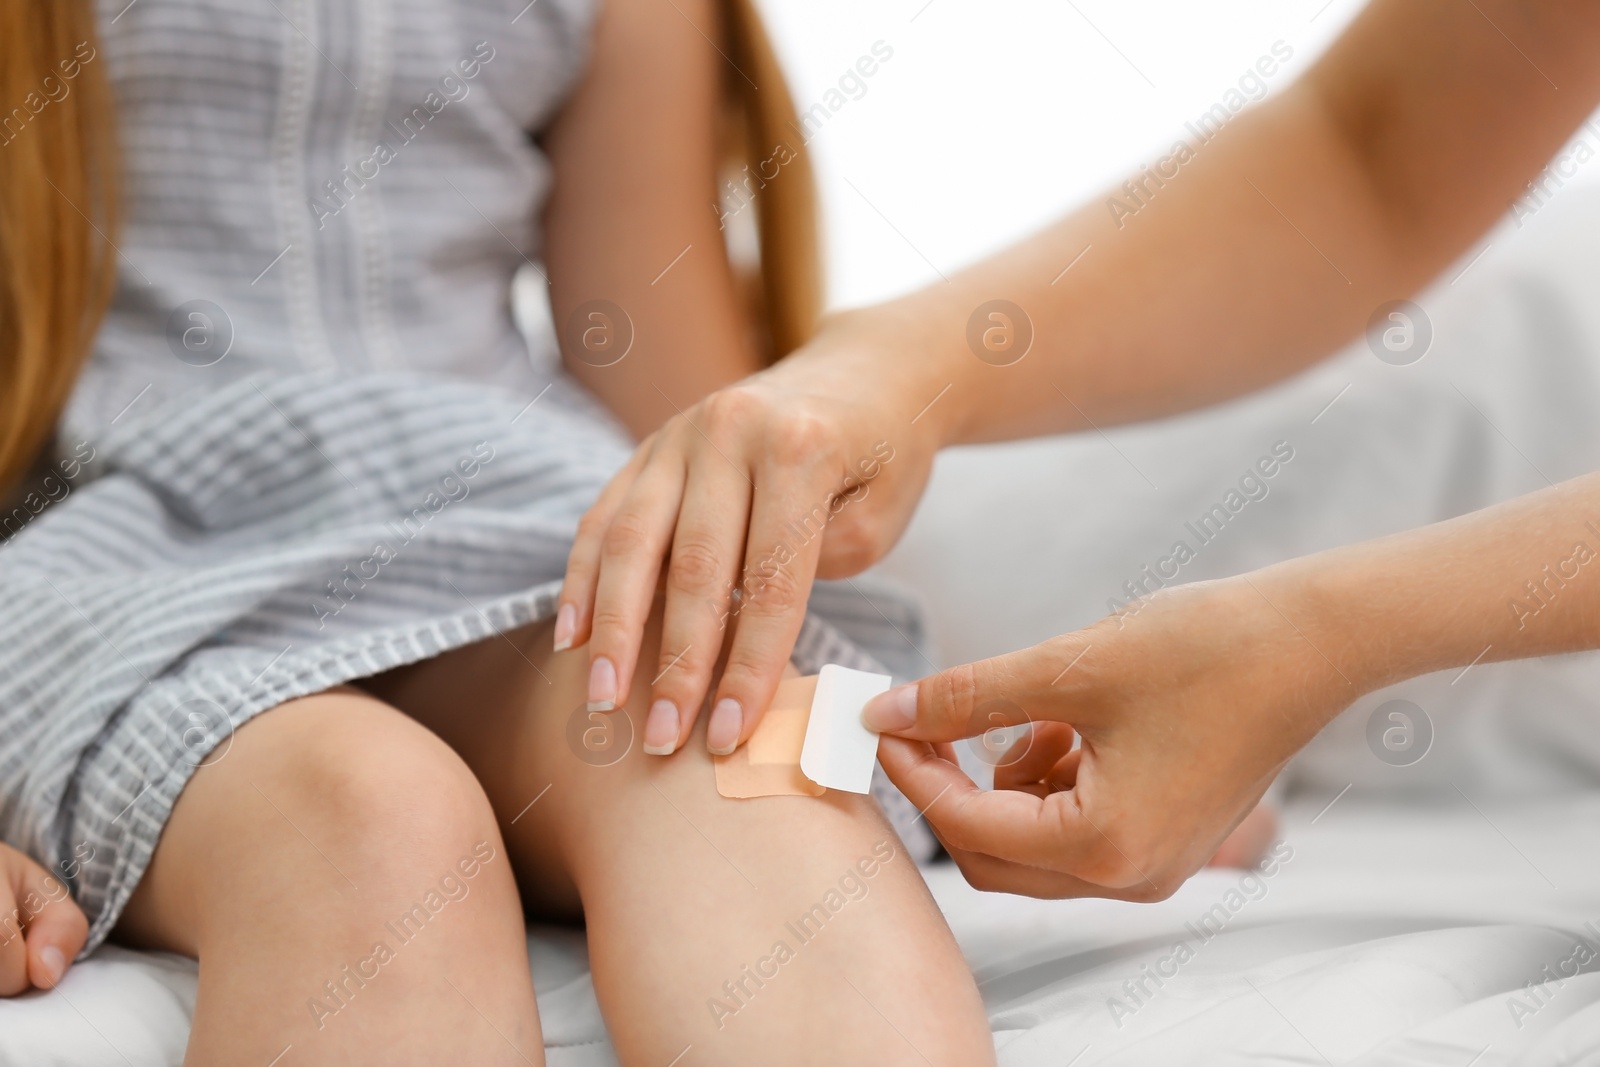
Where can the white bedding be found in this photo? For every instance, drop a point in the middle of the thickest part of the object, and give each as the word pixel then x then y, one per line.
pixel 1392 934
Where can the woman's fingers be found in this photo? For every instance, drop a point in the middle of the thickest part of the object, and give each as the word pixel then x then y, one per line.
pixel 631 554
pixel 575 609
pixel 1029 760
pixel 706 550
pixel 1064 775
pixel 1052 833
pixel 983 871
pixel 787 523
pixel 1002 823
pixel 999 876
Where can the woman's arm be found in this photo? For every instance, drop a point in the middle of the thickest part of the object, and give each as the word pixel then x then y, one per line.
pixel 1516 580
pixel 1190 701
pixel 1267 250
pixel 1282 235
pixel 632 220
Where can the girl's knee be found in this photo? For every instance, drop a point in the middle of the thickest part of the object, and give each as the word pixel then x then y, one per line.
pixel 364 775
pixel 379 779
pixel 334 797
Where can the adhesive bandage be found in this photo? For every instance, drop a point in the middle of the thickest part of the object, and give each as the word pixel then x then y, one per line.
pixel 810 739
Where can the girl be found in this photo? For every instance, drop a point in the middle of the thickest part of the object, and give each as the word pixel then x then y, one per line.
pixel 278 688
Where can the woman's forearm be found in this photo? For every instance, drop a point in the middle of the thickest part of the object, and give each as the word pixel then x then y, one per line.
pixel 1274 242
pixel 1516 580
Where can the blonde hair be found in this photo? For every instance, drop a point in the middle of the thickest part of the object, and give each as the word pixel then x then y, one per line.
pixel 58 207
pixel 58 201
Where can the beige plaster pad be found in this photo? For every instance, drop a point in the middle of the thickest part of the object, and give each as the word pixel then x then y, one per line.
pixel 769 763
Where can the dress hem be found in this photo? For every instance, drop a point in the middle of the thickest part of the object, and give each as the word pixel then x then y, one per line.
pixel 330 667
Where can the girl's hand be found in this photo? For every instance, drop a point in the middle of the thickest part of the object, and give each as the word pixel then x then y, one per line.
pixel 811 468
pixel 1188 704
pixel 41 927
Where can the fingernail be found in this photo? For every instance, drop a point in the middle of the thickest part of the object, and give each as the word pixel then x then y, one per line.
pixel 661 729
pixel 566 625
pixel 54 964
pixel 890 712
pixel 722 733
pixel 602 685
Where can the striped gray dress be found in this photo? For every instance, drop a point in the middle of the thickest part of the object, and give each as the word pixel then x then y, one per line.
pixel 310 444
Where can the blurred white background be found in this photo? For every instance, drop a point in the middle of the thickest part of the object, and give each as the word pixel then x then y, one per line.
pixel 996 115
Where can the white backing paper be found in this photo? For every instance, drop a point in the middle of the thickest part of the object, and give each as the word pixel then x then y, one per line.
pixel 839 751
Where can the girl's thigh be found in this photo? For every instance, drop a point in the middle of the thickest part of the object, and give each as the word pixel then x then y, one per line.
pixel 776 930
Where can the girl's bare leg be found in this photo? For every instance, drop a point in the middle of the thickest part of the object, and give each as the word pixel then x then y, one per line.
pixel 782 930
pixel 339 874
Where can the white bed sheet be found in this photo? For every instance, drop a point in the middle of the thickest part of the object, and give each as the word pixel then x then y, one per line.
pixel 1394 934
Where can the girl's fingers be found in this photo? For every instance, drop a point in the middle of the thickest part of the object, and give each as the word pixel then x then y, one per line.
pixel 13 949
pixel 630 559
pixel 41 926
pixel 575 608
pixel 701 571
pixel 787 523
pixel 56 932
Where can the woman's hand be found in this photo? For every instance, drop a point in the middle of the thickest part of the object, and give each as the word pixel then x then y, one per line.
pixel 811 468
pixel 41 927
pixel 1188 703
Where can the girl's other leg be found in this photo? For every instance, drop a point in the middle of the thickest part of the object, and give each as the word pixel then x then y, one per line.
pixel 339 875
